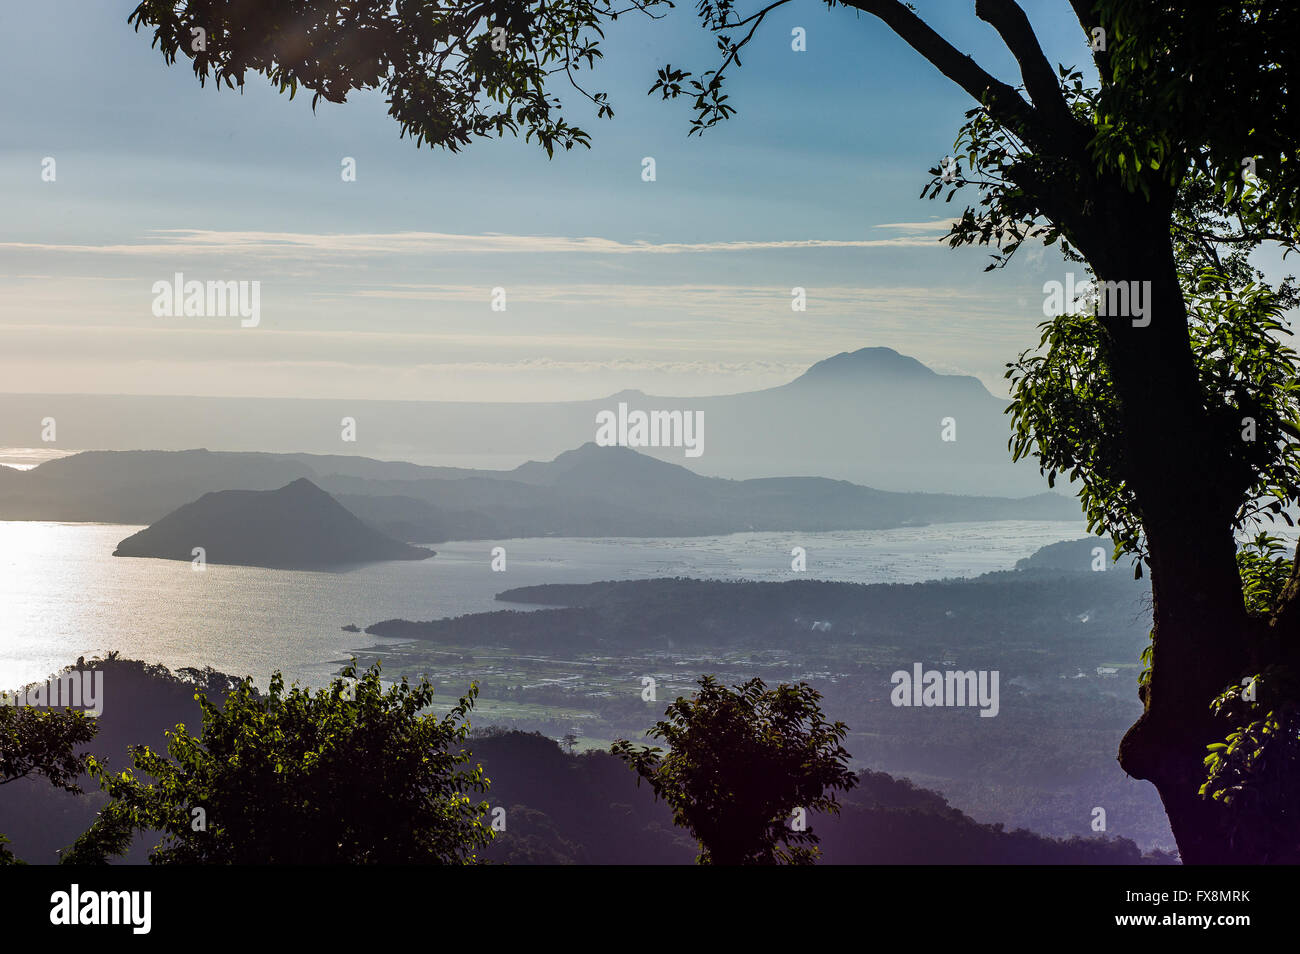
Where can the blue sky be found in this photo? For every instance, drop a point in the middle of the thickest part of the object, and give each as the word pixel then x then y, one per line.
pixel 381 287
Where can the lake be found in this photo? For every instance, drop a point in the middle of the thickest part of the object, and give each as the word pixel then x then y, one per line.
pixel 63 595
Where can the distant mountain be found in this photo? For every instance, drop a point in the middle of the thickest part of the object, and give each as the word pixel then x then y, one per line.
pixel 871 416
pixel 874 366
pixel 589 491
pixel 615 491
pixel 601 469
pixel 137 486
pixel 298 526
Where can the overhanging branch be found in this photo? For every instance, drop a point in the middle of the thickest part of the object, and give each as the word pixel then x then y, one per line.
pixel 1041 81
pixel 1002 100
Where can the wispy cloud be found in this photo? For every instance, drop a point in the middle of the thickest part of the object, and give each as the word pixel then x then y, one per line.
pixel 933 225
pixel 305 244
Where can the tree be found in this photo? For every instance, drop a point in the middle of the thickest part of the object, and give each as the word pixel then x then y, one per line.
pixel 452 71
pixel 42 743
pixel 1159 176
pixel 350 774
pixel 740 764
pixel 39 742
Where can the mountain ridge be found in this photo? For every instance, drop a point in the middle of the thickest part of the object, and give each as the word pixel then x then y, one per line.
pixel 872 416
pixel 589 491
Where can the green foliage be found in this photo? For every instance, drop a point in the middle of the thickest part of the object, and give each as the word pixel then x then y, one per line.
pixel 1011 179
pixel 1199 220
pixel 43 742
pixel 7 857
pixel 1265 569
pixel 1248 372
pixel 738 765
pixel 1147 658
pixel 1204 85
pixel 107 838
pixel 1188 95
pixel 1065 410
pixel 1065 407
pixel 348 774
pixel 1253 770
pixel 448 78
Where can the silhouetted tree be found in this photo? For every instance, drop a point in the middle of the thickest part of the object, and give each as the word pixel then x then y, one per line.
pixel 348 774
pixel 740 764
pixel 39 743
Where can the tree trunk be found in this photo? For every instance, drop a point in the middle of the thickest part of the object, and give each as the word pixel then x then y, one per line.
pixel 1180 475
pixel 1199 648
pixel 1176 461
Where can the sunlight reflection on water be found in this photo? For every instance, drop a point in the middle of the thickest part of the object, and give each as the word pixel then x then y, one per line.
pixel 62 594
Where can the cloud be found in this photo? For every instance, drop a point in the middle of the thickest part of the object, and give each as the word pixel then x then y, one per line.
pixel 311 245
pixel 934 225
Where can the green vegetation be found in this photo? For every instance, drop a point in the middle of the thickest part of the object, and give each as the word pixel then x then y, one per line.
pixel 561 808
pixel 740 763
pixel 41 743
pixel 349 774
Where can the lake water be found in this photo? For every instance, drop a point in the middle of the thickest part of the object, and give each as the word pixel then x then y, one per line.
pixel 63 595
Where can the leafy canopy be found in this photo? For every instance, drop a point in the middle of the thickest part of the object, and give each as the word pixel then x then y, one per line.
pixel 451 70
pixel 42 743
pixel 1066 412
pixel 738 765
pixel 349 774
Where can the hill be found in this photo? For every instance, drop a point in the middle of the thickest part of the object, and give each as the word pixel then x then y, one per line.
pixel 1072 556
pixel 298 526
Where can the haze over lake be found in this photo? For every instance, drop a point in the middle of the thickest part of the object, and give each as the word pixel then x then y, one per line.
pixel 65 596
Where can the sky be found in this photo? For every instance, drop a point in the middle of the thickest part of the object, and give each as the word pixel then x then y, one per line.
pixel 382 287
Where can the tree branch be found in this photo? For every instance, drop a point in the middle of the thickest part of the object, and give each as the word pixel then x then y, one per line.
pixel 753 16
pixel 1002 100
pixel 1088 20
pixel 1041 81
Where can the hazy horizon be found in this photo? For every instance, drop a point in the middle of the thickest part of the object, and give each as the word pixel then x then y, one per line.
pixel 380 287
